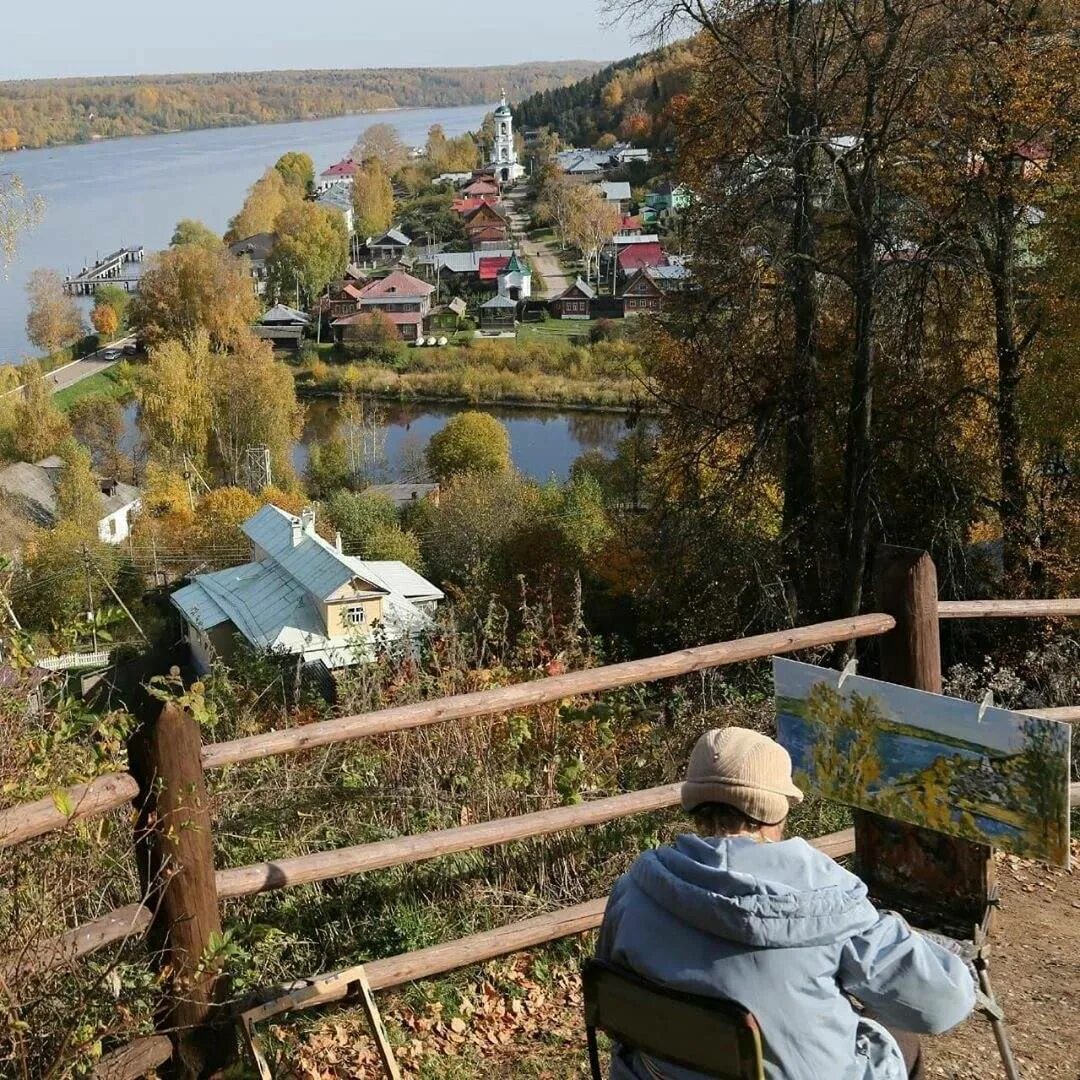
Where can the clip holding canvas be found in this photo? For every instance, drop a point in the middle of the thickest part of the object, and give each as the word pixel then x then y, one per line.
pixel 850 668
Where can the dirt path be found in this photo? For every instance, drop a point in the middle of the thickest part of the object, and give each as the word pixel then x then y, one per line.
pixel 1035 968
pixel 539 253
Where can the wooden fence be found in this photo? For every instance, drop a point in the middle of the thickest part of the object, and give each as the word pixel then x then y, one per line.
pixel 183 889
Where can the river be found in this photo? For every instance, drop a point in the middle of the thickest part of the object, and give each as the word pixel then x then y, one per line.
pixel 124 192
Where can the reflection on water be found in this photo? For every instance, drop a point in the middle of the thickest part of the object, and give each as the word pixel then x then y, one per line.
pixel 544 443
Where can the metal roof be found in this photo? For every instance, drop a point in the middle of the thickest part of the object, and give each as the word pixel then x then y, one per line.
pixel 35 487
pixel 282 313
pixel 499 301
pixel 467 262
pixel 615 190
pixel 275 602
pixel 579 286
pixel 396 237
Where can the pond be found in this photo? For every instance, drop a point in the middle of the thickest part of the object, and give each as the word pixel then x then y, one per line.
pixel 544 443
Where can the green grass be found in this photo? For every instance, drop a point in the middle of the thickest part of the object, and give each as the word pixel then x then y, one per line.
pixel 555 329
pixel 108 384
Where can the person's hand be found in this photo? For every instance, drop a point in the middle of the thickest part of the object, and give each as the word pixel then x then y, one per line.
pixel 967 951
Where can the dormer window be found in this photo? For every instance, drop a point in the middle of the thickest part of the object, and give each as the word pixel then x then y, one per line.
pixel 355 616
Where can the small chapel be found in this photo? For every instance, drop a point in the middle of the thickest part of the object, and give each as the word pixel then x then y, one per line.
pixel 504 156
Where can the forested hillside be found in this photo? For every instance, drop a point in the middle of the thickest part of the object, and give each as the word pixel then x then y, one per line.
pixel 55 111
pixel 632 99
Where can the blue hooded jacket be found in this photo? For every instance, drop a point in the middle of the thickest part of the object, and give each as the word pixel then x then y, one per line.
pixel 788 933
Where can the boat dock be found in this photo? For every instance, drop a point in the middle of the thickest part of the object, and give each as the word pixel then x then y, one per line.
pixel 112 270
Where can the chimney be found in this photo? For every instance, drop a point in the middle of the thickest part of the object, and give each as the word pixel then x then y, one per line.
pixel 297 532
pixel 307 520
pixel 339 544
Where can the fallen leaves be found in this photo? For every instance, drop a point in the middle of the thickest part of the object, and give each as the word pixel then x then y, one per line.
pixel 493 1018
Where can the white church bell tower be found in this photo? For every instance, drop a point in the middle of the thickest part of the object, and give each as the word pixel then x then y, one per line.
pixel 504 158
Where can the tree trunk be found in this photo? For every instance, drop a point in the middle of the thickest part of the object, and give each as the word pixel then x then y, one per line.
pixel 858 457
pixel 1013 495
pixel 800 519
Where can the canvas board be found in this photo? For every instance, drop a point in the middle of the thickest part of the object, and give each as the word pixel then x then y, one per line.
pixel 927 759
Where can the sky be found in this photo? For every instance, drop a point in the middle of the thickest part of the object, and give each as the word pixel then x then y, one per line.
pixel 152 37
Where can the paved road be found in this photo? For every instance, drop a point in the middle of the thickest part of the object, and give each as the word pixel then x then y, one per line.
pixel 538 252
pixel 75 372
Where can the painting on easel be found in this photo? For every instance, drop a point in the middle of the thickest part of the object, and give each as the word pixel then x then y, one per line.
pixel 981 773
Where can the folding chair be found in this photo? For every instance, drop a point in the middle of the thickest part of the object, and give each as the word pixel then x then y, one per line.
pixel 718 1038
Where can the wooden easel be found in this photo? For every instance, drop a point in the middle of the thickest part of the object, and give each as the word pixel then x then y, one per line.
pixel 945 882
pixel 331 988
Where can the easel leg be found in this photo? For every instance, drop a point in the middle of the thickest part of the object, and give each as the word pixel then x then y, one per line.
pixel 254 1048
pixel 382 1040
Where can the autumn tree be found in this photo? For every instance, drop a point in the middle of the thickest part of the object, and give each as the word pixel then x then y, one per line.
pixel 380 142
pixel 266 201
pixel 19 211
pixel 97 422
pixel 190 288
pixel 173 395
pixel 373 200
pixel 54 319
pixel 1001 158
pixel 555 205
pixel 116 297
pixel 105 321
pixel 470 442
pixel 591 223
pixel 78 497
pixel 369 527
pixel 438 147
pixel 311 250
pixel 297 170
pixel 38 427
pixel 252 402
pixel 190 231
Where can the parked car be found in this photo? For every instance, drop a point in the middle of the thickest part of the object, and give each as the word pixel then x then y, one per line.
pixel 131 350
pixel 111 354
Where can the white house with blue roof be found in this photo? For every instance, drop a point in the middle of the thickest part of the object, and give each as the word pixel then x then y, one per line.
pixel 302 596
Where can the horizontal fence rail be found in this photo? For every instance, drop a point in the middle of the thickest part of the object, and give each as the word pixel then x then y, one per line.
pixel 118 925
pixel 117 790
pixel 477 948
pixel 1067 714
pixel 24 822
pixel 1008 609
pixel 541 691
pixel 404 850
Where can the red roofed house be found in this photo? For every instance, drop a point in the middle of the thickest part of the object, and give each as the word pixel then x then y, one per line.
pixel 467 206
pixel 636 257
pixel 405 300
pixel 485 226
pixel 491 268
pixel 344 172
pixel 630 226
pixel 480 189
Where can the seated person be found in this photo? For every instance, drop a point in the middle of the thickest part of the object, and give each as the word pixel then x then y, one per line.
pixel 736 911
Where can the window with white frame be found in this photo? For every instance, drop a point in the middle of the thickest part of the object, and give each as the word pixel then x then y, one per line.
pixel 355 616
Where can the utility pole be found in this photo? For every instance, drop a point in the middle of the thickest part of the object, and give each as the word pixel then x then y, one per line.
pixel 90 595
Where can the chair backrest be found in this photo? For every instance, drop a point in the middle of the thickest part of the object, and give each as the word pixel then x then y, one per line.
pixel 718 1038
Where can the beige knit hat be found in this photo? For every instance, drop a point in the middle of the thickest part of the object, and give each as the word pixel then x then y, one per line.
pixel 744 769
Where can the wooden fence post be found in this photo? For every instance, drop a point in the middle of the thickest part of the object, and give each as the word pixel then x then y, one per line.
pixel 906 866
pixel 176 864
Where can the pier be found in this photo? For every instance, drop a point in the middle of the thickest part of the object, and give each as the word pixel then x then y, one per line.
pixel 112 270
